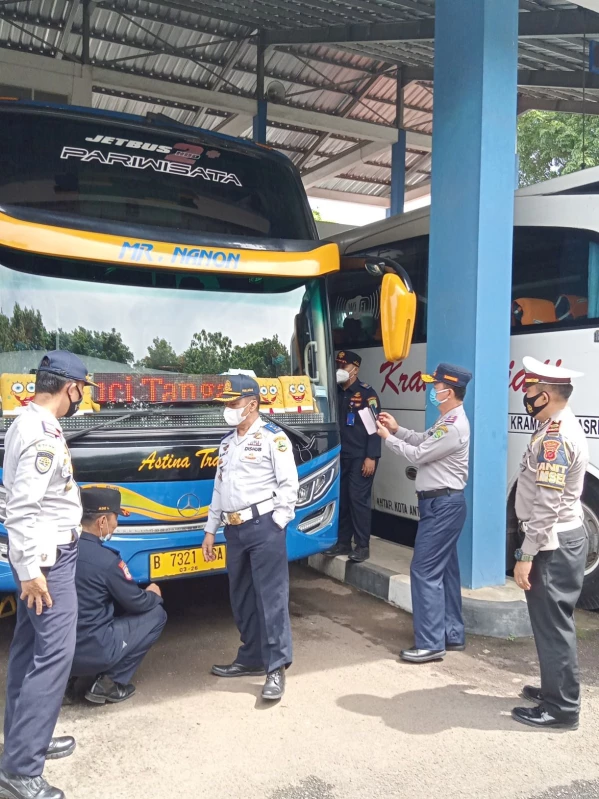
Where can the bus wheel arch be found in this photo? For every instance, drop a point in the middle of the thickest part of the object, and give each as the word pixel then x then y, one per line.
pixel 589 598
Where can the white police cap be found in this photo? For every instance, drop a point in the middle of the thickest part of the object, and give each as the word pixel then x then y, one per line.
pixel 539 372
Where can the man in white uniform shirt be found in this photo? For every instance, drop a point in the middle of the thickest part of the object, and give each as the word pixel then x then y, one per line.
pixel 255 491
pixel 43 517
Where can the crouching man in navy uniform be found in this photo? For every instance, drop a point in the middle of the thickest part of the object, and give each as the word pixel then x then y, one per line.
pixel 441 454
pixel 255 491
pixel 110 647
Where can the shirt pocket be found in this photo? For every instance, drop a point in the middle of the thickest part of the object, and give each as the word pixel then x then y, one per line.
pixel 251 455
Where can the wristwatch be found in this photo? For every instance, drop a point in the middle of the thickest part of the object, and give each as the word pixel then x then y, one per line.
pixel 522 556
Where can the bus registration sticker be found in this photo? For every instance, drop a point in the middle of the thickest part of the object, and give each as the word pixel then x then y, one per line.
pixel 185 561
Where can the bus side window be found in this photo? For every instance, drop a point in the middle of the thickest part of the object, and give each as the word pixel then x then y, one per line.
pixel 555 278
pixel 355 308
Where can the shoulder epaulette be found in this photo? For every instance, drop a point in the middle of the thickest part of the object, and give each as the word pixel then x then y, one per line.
pixel 365 385
pixel 274 428
pixel 450 419
pixel 50 430
pixel 553 429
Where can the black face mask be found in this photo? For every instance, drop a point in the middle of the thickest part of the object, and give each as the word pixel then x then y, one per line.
pixel 532 409
pixel 74 406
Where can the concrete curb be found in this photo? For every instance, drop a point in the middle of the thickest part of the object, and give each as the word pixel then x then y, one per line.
pixel 499 612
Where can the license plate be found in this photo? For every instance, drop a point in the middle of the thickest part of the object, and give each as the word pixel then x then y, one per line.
pixel 185 561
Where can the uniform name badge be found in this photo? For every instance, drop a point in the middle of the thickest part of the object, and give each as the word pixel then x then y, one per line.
pixel 351 419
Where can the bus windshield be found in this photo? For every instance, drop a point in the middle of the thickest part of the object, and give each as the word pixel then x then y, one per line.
pixel 80 169
pixel 163 340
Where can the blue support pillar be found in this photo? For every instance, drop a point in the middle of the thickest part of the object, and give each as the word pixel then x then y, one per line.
pixel 259 123
pixel 398 173
pixel 469 290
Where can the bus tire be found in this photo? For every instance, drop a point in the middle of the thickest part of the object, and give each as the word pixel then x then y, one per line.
pixel 589 598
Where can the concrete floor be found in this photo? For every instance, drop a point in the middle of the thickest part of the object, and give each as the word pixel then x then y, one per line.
pixel 354 724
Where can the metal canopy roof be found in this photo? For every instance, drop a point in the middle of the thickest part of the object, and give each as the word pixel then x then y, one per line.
pixel 338 57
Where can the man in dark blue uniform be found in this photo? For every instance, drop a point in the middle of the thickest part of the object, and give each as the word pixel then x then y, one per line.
pixel 360 453
pixel 110 647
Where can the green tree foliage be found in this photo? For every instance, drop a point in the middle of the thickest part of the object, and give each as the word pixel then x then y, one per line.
pixel 551 144
pixel 208 353
pixel 317 215
pixel 267 358
pixel 25 330
pixel 161 355
pixel 109 346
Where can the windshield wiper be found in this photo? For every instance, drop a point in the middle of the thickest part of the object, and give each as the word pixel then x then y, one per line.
pixel 298 435
pixel 291 431
pixel 114 420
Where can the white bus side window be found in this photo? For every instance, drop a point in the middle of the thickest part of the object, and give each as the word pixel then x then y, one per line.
pixel 555 279
pixel 355 302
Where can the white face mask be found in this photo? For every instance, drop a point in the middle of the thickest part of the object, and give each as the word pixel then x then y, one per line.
pixel 235 416
pixel 342 375
pixel 106 536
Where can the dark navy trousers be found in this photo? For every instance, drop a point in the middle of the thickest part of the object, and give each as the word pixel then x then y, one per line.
pixel 355 512
pixel 435 573
pixel 134 636
pixel 259 590
pixel 39 664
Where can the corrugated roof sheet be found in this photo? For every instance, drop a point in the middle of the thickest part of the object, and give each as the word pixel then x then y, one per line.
pixel 207 43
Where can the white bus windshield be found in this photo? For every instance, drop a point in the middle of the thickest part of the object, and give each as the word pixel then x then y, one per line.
pixel 165 340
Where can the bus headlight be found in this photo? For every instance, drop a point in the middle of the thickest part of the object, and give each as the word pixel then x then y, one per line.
pixel 316 485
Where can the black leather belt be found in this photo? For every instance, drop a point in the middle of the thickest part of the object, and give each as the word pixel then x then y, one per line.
pixel 439 492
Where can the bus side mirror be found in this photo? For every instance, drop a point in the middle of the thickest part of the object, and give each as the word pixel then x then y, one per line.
pixel 398 314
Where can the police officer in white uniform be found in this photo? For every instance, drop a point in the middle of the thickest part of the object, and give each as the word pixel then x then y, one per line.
pixel 43 515
pixel 255 491
pixel 441 454
pixel 550 563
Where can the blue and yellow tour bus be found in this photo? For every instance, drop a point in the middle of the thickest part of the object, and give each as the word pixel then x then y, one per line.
pixel 169 257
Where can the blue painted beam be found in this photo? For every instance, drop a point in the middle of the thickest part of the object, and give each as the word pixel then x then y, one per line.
pixel 398 174
pixel 474 141
pixel 259 123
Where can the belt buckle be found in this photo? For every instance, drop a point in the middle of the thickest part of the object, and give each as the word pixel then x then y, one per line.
pixel 234 518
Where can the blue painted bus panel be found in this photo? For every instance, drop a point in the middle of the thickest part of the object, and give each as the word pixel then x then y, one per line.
pixel 178 497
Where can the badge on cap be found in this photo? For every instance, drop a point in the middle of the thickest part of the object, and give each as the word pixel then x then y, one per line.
pixel 539 372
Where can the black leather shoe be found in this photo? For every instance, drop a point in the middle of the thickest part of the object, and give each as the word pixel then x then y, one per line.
pixel 540 718
pixel 422 655
pixel 60 747
pixel 106 690
pixel 238 670
pixel 13 786
pixel 337 549
pixel 533 694
pixel 274 687
pixel 360 554
pixel 454 647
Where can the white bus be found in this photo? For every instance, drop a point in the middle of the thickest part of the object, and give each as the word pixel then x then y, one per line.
pixel 555 317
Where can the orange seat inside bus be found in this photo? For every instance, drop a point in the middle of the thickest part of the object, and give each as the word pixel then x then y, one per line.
pixel 531 311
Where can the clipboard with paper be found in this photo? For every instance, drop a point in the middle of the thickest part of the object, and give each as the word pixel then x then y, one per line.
pixel 368 417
